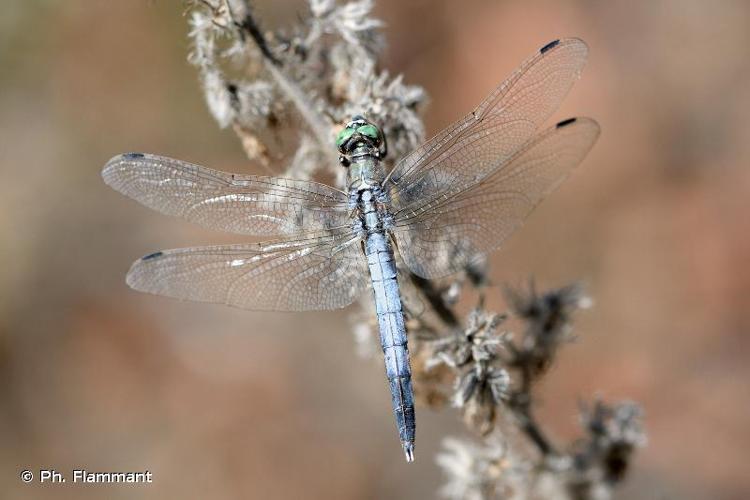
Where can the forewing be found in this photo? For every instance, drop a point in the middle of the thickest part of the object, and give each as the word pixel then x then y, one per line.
pixel 475 145
pixel 242 204
pixel 445 233
pixel 320 271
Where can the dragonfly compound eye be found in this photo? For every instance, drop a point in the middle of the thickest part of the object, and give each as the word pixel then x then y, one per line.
pixel 370 131
pixel 359 132
pixel 343 137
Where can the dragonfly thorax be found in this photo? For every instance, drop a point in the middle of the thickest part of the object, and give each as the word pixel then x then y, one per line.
pixel 365 171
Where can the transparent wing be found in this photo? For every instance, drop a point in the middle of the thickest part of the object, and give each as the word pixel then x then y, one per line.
pixel 243 204
pixel 320 271
pixel 472 147
pixel 444 233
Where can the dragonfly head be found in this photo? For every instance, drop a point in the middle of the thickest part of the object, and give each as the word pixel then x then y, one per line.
pixel 360 133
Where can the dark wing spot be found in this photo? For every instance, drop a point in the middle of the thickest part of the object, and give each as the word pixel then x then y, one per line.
pixel 133 156
pixel 565 122
pixel 151 256
pixel 553 43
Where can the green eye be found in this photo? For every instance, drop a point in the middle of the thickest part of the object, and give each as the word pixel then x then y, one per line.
pixel 370 131
pixel 343 136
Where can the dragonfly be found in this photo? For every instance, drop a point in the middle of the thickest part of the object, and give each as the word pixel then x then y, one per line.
pixel 448 203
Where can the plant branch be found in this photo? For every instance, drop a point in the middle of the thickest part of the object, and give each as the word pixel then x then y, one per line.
pixel 435 299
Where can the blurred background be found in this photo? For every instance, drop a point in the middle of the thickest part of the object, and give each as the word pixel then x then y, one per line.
pixel 222 403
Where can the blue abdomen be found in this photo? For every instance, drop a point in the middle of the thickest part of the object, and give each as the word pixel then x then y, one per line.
pixel 392 335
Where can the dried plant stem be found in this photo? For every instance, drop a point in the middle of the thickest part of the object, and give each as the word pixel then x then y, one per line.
pixel 520 404
pixel 249 26
pixel 435 299
pixel 317 125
